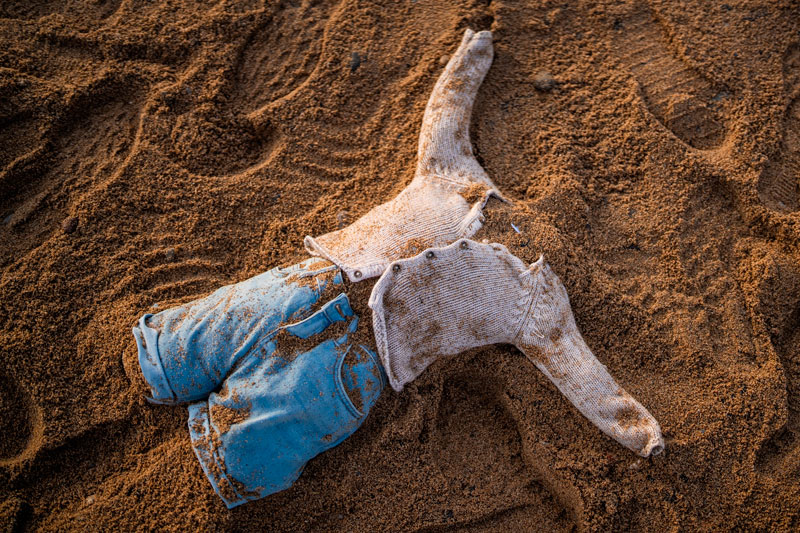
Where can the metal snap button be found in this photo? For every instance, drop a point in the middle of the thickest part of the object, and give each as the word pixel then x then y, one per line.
pixel 464 245
pixel 430 255
pixel 357 274
pixel 395 268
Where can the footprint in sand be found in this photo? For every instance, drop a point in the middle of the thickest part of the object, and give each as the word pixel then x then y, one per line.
pixel 480 444
pixel 778 183
pixel 21 151
pixel 266 71
pixel 780 455
pixel 683 100
pixel 80 151
pixel 15 514
pixel 20 424
pixel 85 145
pixel 480 454
pixel 219 142
pixel 242 134
pixel 22 121
pixel 770 280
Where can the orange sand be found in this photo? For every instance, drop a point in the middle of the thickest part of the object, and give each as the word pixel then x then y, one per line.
pixel 151 152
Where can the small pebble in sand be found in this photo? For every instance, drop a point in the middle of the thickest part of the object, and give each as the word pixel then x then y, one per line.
pixel 444 59
pixel 69 225
pixel 355 61
pixel 544 81
pixel 170 254
pixel 90 500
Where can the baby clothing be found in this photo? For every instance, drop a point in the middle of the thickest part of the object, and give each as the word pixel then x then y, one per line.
pixel 444 201
pixel 432 211
pixel 447 300
pixel 266 409
pixel 260 411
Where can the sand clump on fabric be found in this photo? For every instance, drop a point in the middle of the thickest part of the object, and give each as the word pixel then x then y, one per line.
pixel 151 153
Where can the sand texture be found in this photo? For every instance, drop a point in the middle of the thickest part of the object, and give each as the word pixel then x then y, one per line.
pixel 152 151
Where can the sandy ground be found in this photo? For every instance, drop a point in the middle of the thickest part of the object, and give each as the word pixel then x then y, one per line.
pixel 151 152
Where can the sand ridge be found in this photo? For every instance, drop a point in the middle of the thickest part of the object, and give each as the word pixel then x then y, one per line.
pixel 151 152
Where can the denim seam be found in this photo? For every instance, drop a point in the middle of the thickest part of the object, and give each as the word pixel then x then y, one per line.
pixel 377 363
pixel 215 457
pixel 340 385
pixel 164 372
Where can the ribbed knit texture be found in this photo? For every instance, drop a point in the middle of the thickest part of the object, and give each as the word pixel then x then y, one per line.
pixel 550 338
pixel 441 204
pixel 447 300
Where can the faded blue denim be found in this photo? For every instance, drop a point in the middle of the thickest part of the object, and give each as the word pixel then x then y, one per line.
pixel 264 412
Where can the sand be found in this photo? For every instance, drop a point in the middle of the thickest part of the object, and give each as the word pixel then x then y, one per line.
pixel 151 152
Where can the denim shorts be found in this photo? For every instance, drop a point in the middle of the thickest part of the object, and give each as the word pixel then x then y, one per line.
pixel 262 410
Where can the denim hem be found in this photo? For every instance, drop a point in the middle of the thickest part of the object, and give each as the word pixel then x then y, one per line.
pixel 150 363
pixel 206 452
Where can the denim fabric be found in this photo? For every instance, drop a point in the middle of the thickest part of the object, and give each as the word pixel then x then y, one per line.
pixel 275 409
pixel 185 352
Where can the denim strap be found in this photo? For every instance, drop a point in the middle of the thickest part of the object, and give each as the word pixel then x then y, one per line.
pixel 336 310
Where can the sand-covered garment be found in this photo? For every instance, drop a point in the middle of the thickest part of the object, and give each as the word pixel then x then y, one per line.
pixel 447 300
pixel 444 201
pixel 132 176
